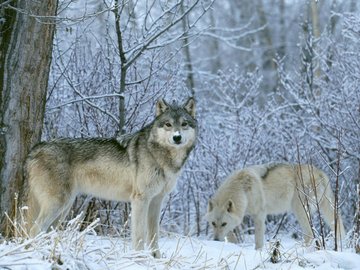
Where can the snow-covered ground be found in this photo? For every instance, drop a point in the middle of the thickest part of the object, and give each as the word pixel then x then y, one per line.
pixel 71 249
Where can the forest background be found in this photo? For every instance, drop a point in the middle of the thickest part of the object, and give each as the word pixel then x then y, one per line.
pixel 275 81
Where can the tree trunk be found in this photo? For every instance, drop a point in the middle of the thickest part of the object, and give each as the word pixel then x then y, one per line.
pixel 282 49
pixel 315 18
pixel 357 223
pixel 186 47
pixel 123 69
pixel 266 38
pixel 315 31
pixel 25 54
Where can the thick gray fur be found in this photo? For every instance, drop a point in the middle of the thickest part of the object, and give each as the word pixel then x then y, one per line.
pixel 141 168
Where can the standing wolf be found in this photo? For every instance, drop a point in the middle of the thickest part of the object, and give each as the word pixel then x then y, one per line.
pixel 141 168
pixel 271 189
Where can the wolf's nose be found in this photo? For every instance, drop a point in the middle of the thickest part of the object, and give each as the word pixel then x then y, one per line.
pixel 216 239
pixel 177 139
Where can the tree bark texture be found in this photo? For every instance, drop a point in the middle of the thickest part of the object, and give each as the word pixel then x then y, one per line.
pixel 186 47
pixel 25 54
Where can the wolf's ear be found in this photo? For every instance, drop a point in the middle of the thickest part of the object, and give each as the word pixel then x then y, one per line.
pixel 210 206
pixel 189 106
pixel 230 206
pixel 161 106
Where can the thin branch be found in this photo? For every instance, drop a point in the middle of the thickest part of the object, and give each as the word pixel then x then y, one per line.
pixel 82 99
pixel 132 58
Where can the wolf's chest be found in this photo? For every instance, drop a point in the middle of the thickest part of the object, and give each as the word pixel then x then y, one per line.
pixel 170 181
pixel 158 181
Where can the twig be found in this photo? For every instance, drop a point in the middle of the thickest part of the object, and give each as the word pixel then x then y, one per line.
pixel 39 237
pixel 278 228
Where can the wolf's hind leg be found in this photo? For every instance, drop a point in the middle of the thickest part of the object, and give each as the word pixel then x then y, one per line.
pixel 327 209
pixel 298 208
pixel 64 213
pixel 49 212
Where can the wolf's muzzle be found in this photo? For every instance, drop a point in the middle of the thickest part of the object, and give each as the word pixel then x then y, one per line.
pixel 177 139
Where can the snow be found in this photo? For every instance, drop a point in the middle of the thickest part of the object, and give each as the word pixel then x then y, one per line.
pixel 72 249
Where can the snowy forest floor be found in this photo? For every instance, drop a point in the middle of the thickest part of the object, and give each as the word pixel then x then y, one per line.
pixel 72 249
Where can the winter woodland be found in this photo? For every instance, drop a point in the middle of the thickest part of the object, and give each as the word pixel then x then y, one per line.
pixel 274 81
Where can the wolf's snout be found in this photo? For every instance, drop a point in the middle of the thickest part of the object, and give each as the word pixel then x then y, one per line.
pixel 177 139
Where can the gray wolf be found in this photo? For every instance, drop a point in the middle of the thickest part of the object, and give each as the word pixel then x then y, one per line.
pixel 141 168
pixel 260 190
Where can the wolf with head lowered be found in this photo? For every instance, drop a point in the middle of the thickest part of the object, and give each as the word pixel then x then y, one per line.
pixel 141 168
pixel 273 188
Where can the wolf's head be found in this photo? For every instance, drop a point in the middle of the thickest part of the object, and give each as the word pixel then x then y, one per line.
pixel 222 218
pixel 175 125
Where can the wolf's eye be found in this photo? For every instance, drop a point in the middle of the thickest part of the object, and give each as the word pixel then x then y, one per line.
pixel 214 224
pixel 184 124
pixel 168 124
pixel 223 224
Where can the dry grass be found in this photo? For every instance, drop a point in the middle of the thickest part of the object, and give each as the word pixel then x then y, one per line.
pixel 71 248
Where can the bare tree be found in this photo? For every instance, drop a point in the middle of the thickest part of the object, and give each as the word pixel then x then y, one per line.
pixel 158 34
pixel 26 37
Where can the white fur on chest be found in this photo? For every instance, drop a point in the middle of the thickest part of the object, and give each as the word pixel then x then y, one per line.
pixel 177 157
pixel 170 181
pixel 157 181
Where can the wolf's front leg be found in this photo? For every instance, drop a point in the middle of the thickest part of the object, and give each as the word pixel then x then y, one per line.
pixel 153 224
pixel 259 221
pixel 231 237
pixel 139 212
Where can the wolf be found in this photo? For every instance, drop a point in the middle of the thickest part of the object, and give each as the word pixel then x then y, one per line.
pixel 275 188
pixel 140 168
